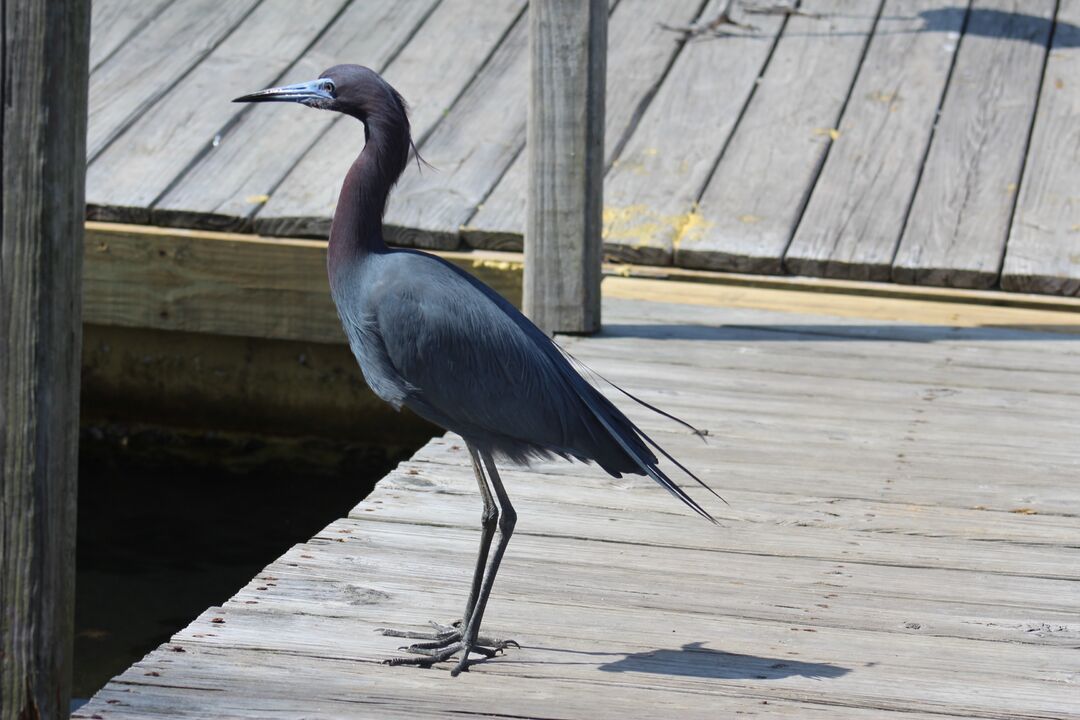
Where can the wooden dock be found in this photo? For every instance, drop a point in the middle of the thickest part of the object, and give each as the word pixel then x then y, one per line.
pixel 933 142
pixel 901 538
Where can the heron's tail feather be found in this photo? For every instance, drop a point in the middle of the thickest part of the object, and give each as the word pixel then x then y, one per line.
pixel 679 465
pixel 629 437
pixel 700 433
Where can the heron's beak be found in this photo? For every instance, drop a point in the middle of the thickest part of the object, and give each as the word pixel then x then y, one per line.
pixel 314 92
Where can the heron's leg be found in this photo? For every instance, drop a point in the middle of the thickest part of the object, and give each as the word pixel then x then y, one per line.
pixel 507 520
pixel 488 521
pixel 448 637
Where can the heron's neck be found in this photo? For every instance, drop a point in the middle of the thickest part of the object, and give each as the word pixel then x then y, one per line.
pixel 357 229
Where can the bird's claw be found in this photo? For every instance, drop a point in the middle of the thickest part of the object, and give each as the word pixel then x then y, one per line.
pixel 482 646
pixel 441 632
pixel 443 644
pixel 429 657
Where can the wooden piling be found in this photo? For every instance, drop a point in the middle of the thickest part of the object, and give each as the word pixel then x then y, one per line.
pixel 568 48
pixel 44 96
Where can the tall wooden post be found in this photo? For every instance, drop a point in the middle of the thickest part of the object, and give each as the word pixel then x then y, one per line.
pixel 568 48
pixel 44 77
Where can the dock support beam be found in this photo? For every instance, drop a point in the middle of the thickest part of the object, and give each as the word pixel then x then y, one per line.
pixel 44 96
pixel 563 250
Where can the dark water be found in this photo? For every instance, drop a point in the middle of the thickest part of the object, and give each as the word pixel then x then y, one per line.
pixel 170 525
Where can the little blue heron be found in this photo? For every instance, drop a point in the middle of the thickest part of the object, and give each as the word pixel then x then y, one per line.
pixel 433 338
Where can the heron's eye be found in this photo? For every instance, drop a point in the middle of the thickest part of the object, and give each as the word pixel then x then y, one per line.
pixel 329 86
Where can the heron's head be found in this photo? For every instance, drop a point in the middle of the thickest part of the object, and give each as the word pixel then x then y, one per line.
pixel 351 89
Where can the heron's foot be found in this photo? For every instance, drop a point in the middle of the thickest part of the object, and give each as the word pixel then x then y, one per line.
pixel 429 656
pixel 443 644
pixel 443 637
pixel 440 632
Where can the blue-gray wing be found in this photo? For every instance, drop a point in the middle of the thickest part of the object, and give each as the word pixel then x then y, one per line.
pixel 473 369
pixel 455 352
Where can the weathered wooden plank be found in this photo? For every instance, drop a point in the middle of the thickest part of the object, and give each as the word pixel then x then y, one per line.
pixel 1001 347
pixel 867 565
pixel 430 72
pixel 248 161
pixel 747 392
pixel 243 285
pixel 788 534
pixel 44 54
pixel 752 203
pixel 959 219
pixel 215 681
pixel 469 150
pixel 843 300
pixel 653 185
pixel 952 366
pixel 238 385
pixel 852 222
pixel 125 180
pixel 311 577
pixel 986 298
pixel 879 669
pixel 134 273
pixel 736 466
pixel 640 51
pixel 874 670
pixel 1043 252
pixel 113 22
pixel 856 517
pixel 565 147
pixel 146 67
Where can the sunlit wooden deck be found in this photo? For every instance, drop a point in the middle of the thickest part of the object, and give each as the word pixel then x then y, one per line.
pixel 901 538
pixel 920 141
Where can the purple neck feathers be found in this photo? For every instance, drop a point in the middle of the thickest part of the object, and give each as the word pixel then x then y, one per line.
pixel 357 229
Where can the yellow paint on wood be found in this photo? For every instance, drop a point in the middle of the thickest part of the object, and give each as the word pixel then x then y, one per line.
pixel 639 226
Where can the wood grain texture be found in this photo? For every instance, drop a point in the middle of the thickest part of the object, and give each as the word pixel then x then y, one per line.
pixel 147 66
pixel 652 188
pixel 114 22
pixel 469 150
pixel 640 52
pixel 565 146
pixel 430 73
pixel 873 562
pixel 959 220
pixel 1043 252
pixel 856 211
pixel 753 201
pixel 232 181
pixel 171 279
pixel 45 56
pixel 311 392
pixel 218 283
pixel 125 180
